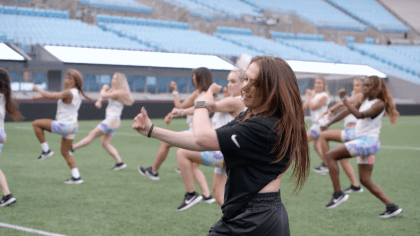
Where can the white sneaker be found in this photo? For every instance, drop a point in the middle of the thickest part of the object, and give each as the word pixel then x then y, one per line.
pixel 45 155
pixel 73 180
pixel 119 166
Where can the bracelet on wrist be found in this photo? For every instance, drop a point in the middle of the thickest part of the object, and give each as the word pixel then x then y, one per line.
pixel 343 99
pixel 175 92
pixel 150 130
pixel 181 112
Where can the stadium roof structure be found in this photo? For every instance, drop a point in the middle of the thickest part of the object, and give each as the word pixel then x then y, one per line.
pixel 8 54
pixel 136 58
pixel 333 68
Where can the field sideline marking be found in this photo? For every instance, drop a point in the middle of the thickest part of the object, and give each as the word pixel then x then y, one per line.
pixel 28 230
pixel 135 134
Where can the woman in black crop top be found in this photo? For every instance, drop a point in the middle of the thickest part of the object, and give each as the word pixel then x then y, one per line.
pixel 258 147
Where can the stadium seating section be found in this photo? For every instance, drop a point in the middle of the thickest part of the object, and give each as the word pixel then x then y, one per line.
pixel 120 5
pixel 371 13
pixel 31 26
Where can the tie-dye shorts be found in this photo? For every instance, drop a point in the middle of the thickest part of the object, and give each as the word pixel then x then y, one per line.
pixel 315 130
pixel 349 133
pixel 364 146
pixel 3 138
pixel 212 158
pixel 110 124
pixel 67 130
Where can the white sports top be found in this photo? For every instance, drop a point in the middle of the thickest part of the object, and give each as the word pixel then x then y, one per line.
pixel 316 113
pixel 2 110
pixel 114 108
pixel 68 113
pixel 368 126
pixel 350 119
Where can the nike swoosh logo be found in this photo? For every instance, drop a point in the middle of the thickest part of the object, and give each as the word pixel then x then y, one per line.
pixel 189 201
pixel 233 137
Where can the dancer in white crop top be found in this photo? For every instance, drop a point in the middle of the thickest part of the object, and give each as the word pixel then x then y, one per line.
pixel 6 104
pixel 118 96
pixel 65 122
pixel 317 101
pixel 376 102
pixel 201 79
pixel 338 135
pixel 229 107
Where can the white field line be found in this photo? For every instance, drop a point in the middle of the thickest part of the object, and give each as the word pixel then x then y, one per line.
pixel 332 144
pixel 29 230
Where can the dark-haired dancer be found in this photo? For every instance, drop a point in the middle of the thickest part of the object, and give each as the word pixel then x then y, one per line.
pixel 65 122
pixel 6 104
pixel 345 135
pixel 201 79
pixel 377 101
pixel 258 147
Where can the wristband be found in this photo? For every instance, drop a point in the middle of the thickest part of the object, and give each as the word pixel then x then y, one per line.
pixel 150 131
pixel 343 99
pixel 181 112
pixel 175 92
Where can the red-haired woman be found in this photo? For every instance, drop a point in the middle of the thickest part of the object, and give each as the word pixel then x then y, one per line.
pixel 317 101
pixel 65 122
pixel 6 104
pixel 258 147
pixel 377 101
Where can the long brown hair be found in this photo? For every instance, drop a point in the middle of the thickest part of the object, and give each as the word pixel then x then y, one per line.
pixel 380 91
pixel 78 79
pixel 11 106
pixel 277 84
pixel 203 77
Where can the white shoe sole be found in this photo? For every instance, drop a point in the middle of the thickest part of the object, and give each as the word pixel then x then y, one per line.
pixel 146 174
pixel 197 200
pixel 43 157
pixel 354 191
pixel 339 202
pixel 321 172
pixel 9 202
pixel 395 213
pixel 120 168
pixel 210 201
pixel 74 182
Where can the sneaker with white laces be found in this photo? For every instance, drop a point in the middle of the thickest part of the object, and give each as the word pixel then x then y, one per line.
pixel 45 155
pixel 336 200
pixel 148 173
pixel 391 211
pixel 7 200
pixel 119 166
pixel 321 169
pixel 177 171
pixel 189 201
pixel 73 180
pixel 209 200
pixel 353 189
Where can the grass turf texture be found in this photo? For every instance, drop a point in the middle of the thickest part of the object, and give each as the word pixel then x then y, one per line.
pixel 126 203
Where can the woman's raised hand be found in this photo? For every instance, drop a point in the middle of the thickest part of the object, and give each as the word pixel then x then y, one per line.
pixel 105 86
pixel 214 88
pixel 142 122
pixel 174 86
pixel 342 93
pixel 98 104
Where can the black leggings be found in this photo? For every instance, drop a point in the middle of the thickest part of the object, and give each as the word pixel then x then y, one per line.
pixel 264 215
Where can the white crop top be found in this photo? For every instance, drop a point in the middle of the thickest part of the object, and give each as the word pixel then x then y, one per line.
pixel 369 126
pixel 316 113
pixel 114 108
pixel 68 113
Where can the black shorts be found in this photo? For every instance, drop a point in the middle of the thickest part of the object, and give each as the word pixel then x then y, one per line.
pixel 263 215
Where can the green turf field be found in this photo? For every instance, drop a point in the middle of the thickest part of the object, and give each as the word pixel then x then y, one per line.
pixel 126 203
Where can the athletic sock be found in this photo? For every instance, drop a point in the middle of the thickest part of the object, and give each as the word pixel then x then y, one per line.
pixel 45 147
pixel 75 173
pixel 191 194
